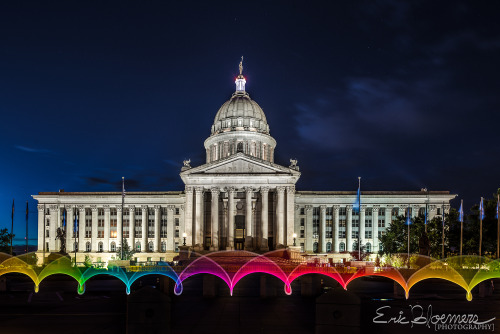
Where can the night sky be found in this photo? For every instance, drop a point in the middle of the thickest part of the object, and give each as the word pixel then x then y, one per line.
pixel 403 94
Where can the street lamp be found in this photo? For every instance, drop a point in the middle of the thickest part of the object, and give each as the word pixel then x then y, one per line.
pixel 184 235
pixel 294 237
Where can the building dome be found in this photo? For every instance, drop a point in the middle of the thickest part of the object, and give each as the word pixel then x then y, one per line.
pixel 240 125
pixel 240 113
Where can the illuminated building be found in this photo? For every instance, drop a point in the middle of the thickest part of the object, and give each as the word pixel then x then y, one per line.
pixel 239 199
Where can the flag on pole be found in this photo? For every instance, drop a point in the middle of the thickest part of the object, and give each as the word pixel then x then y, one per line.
pixel 357 203
pixel 481 209
pixel 408 218
pixel 75 225
pixel 425 218
pixel 498 205
pixel 461 212
pixel 64 217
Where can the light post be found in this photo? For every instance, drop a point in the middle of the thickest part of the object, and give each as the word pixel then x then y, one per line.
pixel 294 238
pixel 184 235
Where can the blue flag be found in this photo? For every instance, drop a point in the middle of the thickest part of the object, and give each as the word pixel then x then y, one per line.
pixel 498 205
pixel 425 218
pixel 481 209
pixel 408 218
pixel 461 212
pixel 64 217
pixel 357 204
pixel 75 225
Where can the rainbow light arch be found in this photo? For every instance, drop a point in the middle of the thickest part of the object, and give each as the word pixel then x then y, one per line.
pixel 231 266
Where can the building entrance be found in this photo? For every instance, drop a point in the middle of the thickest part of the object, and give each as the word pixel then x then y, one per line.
pixel 239 232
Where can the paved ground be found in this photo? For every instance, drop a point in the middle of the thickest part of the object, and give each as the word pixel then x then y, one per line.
pixel 57 308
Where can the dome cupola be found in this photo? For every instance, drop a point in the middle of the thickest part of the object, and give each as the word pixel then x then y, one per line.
pixel 240 125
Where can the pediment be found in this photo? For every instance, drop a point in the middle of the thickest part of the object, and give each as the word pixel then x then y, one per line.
pixel 239 164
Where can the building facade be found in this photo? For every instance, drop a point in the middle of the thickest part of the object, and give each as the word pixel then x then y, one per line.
pixel 240 199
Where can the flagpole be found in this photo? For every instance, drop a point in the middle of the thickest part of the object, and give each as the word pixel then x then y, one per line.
pixel 408 223
pixel 26 227
pixel 426 209
pixel 498 227
pixel 442 237
pixel 12 228
pixel 75 232
pixel 359 217
pixel 44 231
pixel 480 225
pixel 461 226
pixel 121 229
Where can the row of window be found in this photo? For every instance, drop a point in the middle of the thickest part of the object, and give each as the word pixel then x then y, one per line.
pixel 368 247
pixel 342 223
pixel 112 246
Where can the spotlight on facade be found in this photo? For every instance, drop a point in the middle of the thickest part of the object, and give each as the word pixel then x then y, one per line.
pixel 294 238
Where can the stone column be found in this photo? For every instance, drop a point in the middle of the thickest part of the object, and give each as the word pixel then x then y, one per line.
pixel 230 212
pixel 54 224
pixel 290 214
pixel 335 232
pixel 348 229
pixel 264 192
pixel 157 228
pixel 361 229
pixel 131 228
pixel 309 228
pixel 280 215
pixel 248 218
pixel 41 227
pixel 145 228
pixel 94 242
pixel 188 217
pixel 225 228
pixel 119 223
pixel 414 210
pixel 69 230
pixel 81 229
pixel 106 228
pixel 214 214
pixel 322 228
pixel 375 228
pixel 198 217
pixel 171 230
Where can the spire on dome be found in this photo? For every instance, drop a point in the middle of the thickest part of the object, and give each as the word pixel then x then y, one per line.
pixel 240 80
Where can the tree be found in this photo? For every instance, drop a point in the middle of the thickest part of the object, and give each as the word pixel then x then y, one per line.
pixel 127 251
pixel 395 240
pixel 471 229
pixel 5 240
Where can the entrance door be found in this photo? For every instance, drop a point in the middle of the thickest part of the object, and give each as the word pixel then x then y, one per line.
pixel 239 232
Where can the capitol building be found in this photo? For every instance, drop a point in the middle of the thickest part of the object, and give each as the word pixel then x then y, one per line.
pixel 240 199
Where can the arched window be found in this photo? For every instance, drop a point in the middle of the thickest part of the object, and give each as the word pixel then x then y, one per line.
pixel 163 246
pixel 328 247
pixel 239 147
pixel 354 246
pixel 342 247
pixel 150 246
pixel 87 246
pixel 113 246
pixel 137 246
pixel 100 246
pixel 368 247
pixel 315 247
